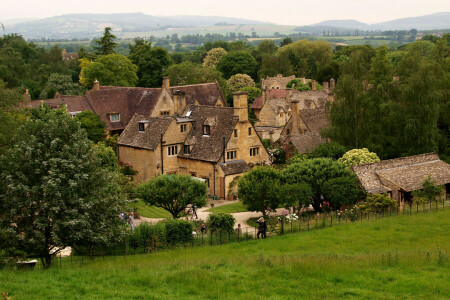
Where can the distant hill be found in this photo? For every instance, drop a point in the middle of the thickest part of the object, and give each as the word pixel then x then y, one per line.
pixel 343 24
pixel 427 22
pixel 89 25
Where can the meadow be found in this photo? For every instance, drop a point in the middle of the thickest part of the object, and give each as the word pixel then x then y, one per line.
pixel 404 257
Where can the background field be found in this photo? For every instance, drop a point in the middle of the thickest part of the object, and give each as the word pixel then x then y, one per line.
pixel 405 257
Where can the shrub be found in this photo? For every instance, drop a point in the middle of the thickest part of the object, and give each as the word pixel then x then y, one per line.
pixel 178 231
pixel 148 237
pixel 239 81
pixel 356 157
pixel 377 203
pixel 220 222
pixel 430 191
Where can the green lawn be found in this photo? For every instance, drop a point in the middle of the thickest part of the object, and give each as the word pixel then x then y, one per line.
pixel 229 208
pixel 151 211
pixel 401 257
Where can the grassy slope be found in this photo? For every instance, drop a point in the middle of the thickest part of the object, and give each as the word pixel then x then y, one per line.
pixel 350 261
pixel 229 208
pixel 151 211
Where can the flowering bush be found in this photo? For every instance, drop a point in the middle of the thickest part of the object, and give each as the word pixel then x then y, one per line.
pixel 291 217
pixel 126 168
pixel 352 214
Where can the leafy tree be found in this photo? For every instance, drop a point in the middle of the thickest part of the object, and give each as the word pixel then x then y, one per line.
pixel 112 69
pixel 190 73
pixel 213 57
pixel 239 62
pixel 260 188
pixel 342 191
pixel 430 191
pixel 107 156
pixel 94 127
pixel 298 85
pixel 106 43
pixel 62 84
pixel 220 222
pixel 331 150
pixel 9 117
pixel 296 195
pixel 173 192
pixel 315 172
pixel 151 63
pixel 377 203
pixel 356 157
pixel 239 81
pixel 54 191
pixel 286 41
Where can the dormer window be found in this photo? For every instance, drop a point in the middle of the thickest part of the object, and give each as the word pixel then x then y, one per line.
pixel 141 127
pixel 165 113
pixel 183 127
pixel 206 130
pixel 187 149
pixel 114 117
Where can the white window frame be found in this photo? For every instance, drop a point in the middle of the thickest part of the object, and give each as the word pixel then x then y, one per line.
pixel 172 150
pixel 112 118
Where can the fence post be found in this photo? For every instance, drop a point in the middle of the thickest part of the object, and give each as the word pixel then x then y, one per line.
pixel 410 208
pixel 331 221
pixel 417 207
pixel 282 225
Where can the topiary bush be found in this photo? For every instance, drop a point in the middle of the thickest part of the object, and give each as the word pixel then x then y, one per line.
pixel 178 232
pixel 220 222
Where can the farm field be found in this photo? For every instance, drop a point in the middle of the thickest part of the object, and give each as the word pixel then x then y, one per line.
pixel 404 257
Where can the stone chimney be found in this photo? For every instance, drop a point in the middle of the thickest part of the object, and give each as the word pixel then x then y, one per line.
pixel 314 85
pixel 179 102
pixel 96 86
pixel 27 98
pixel 265 94
pixel 326 85
pixel 240 104
pixel 166 83
pixel 303 79
pixel 332 84
pixel 295 111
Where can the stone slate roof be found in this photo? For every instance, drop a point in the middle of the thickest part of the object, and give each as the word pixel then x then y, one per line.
pixel 307 98
pixel 73 103
pixel 283 81
pixel 278 104
pixel 408 173
pixel 150 138
pixel 234 167
pixel 272 94
pixel 315 119
pixel 128 101
pixel 304 143
pixel 209 148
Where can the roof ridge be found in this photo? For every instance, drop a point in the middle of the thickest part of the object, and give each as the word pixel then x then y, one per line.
pixel 396 159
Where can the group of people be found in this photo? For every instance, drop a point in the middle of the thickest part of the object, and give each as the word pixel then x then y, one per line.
pixel 128 218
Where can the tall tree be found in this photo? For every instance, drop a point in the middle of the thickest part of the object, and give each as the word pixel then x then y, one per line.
pixel 62 84
pixel 95 128
pixel 9 117
pixel 106 44
pixel 237 62
pixel 54 191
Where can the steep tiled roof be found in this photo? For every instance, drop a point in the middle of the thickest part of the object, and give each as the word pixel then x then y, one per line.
pixel 278 104
pixel 272 94
pixel 307 98
pixel 408 173
pixel 150 138
pixel 315 119
pixel 282 81
pixel 234 167
pixel 74 103
pixel 209 148
pixel 304 143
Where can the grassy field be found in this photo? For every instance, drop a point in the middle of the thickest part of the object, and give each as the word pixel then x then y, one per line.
pixel 229 208
pixel 151 211
pixel 404 257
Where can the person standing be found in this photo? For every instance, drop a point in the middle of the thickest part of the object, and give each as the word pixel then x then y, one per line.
pixel 203 228
pixel 262 228
pixel 131 220
pixel 194 211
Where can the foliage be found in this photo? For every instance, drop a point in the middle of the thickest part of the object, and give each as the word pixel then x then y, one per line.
pixel 260 188
pixel 429 193
pixel 126 168
pixel 298 85
pixel 220 222
pixel 62 84
pixel 95 128
pixel 239 81
pixel 173 192
pixel 297 158
pixel 178 231
pixel 54 190
pixel 9 118
pixel 296 195
pixel 353 214
pixel 356 157
pixel 106 43
pixel 331 150
pixel 148 236
pixel 239 62
pixel 112 69
pixel 107 156
pixel 377 203
pixel 213 57
pixel 316 172
pixel 342 191
pixel 112 142
pixel 151 64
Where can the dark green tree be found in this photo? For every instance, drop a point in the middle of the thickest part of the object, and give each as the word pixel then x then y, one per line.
pixel 94 127
pixel 237 62
pixel 296 195
pixel 62 84
pixel 173 193
pixel 106 44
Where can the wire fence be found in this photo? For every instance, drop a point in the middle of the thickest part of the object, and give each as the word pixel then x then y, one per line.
pixel 277 225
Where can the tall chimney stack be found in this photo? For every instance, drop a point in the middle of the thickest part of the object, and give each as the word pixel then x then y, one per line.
pixel 240 104
pixel 96 86
pixel 179 102
pixel 314 85
pixel 326 85
pixel 265 94
pixel 166 83
pixel 295 111
pixel 27 98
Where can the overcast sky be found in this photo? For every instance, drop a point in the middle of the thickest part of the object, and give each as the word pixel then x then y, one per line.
pixel 286 12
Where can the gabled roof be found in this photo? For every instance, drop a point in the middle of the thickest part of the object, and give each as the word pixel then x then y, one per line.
pixel 278 104
pixel 315 119
pixel 407 173
pixel 304 143
pixel 272 94
pixel 150 138
pixel 73 103
pixel 234 167
pixel 209 148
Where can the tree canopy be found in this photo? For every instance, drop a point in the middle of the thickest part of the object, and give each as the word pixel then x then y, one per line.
pixel 173 192
pixel 239 81
pixel 239 62
pixel 106 44
pixel 356 157
pixel 94 127
pixel 62 84
pixel 213 57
